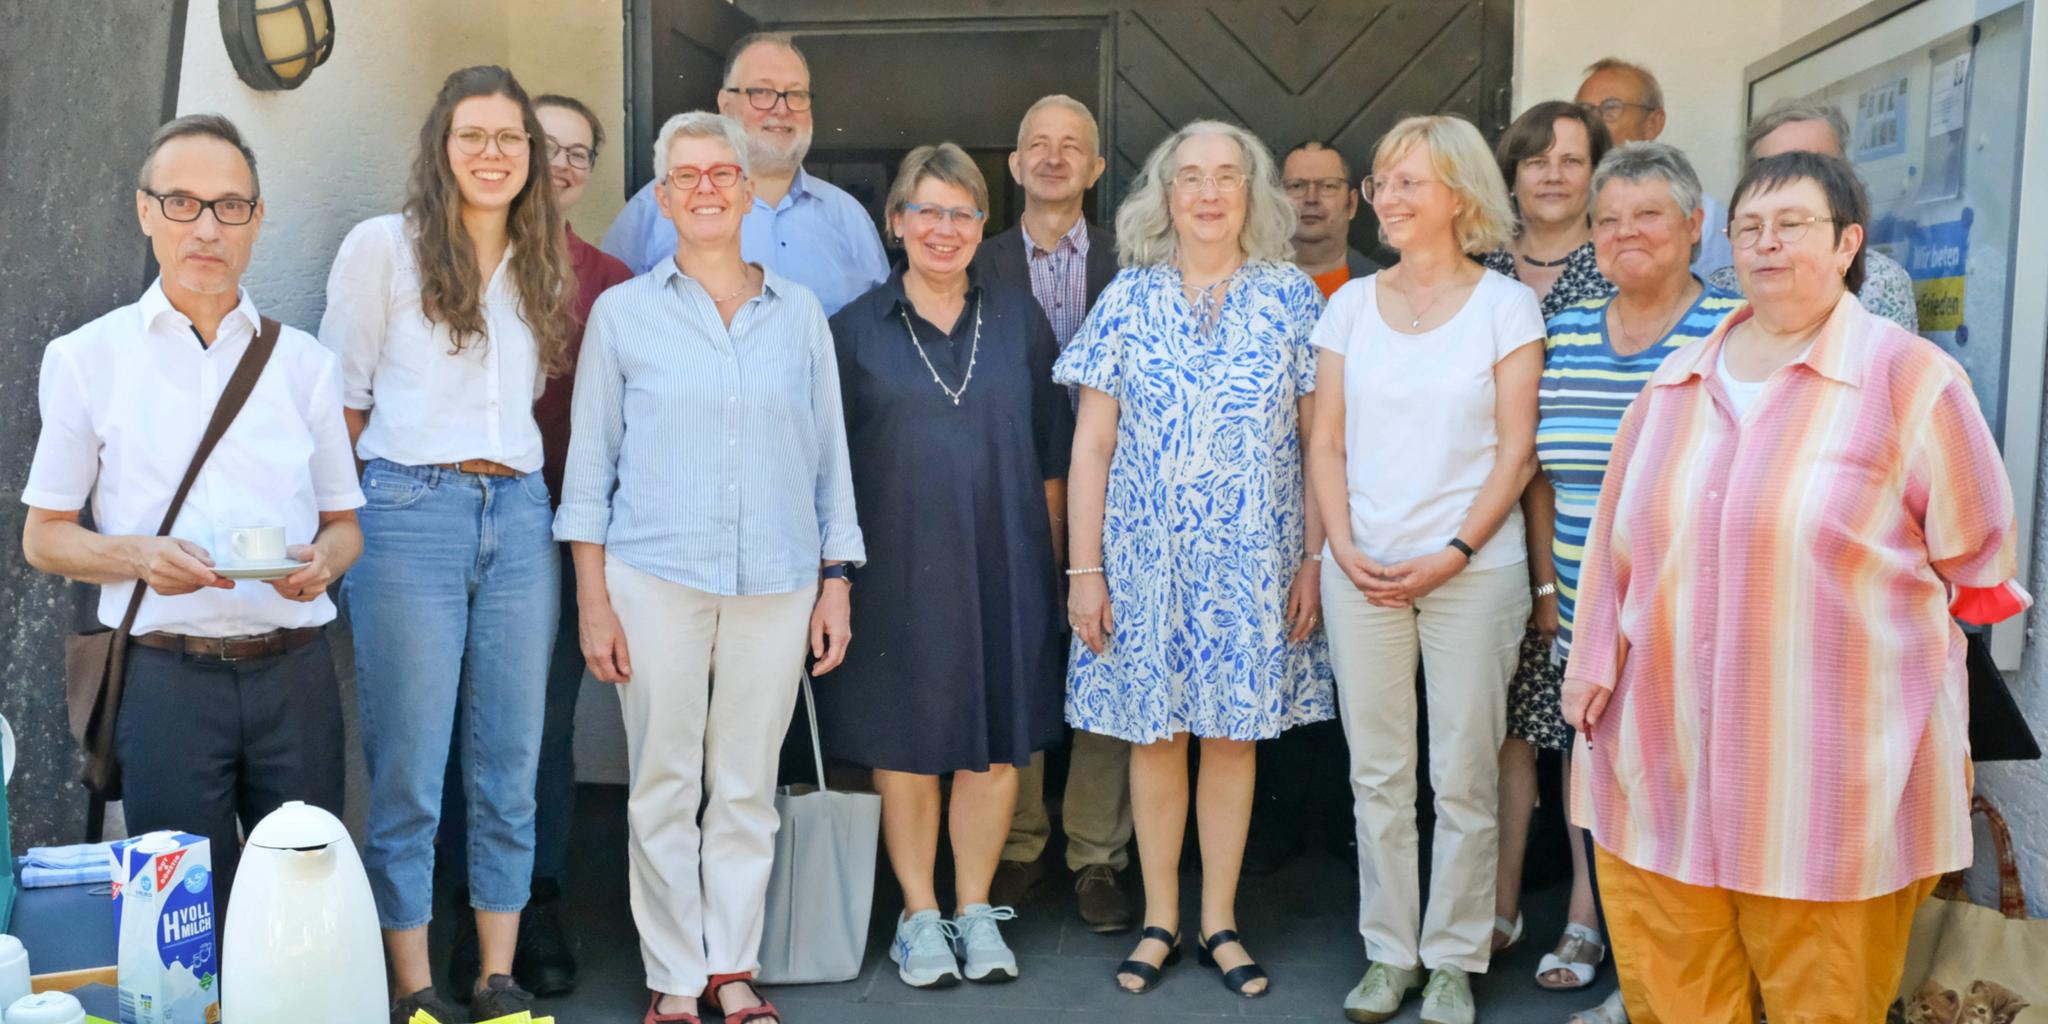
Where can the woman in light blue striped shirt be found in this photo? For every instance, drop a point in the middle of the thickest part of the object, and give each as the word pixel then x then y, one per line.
pixel 706 486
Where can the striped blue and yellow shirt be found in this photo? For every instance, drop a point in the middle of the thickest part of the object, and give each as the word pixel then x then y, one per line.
pixel 1586 387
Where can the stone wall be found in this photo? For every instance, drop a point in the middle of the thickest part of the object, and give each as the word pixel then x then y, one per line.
pixel 81 88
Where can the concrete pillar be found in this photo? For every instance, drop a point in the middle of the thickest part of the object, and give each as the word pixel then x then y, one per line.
pixel 81 88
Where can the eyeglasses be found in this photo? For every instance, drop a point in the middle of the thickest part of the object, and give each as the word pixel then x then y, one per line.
pixel 1789 230
pixel 761 98
pixel 1379 187
pixel 1222 181
pixel 472 141
pixel 684 178
pixel 1611 108
pixel 1330 188
pixel 579 156
pixel 929 216
pixel 230 211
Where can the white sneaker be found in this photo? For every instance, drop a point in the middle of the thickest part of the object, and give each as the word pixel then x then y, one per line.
pixel 922 951
pixel 1448 998
pixel 1378 995
pixel 984 956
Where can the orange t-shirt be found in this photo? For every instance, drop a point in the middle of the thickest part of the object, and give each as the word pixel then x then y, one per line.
pixel 1331 280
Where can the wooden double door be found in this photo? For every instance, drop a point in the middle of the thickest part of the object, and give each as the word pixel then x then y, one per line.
pixel 893 74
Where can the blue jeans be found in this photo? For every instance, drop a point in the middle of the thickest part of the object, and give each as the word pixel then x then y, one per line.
pixel 555 792
pixel 456 593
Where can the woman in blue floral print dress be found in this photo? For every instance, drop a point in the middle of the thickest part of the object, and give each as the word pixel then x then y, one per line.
pixel 1193 586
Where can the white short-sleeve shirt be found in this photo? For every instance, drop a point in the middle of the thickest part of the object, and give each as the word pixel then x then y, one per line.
pixel 124 402
pixel 1419 431
pixel 430 404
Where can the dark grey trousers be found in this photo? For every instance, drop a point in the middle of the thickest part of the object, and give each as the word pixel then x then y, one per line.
pixel 210 747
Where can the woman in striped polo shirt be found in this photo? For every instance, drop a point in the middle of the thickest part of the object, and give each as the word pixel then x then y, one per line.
pixel 1600 352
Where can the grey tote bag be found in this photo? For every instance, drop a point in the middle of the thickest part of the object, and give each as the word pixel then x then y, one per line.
pixel 822 888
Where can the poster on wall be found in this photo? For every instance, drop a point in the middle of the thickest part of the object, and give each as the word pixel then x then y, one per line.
pixel 1938 261
pixel 1881 120
pixel 1948 113
pixel 1940 161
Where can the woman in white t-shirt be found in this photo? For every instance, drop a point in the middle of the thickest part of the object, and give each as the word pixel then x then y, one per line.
pixel 1422 441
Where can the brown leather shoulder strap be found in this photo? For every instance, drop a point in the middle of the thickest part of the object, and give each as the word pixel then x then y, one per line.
pixel 232 398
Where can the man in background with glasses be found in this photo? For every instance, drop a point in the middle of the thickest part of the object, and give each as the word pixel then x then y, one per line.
pixel 1628 99
pixel 230 706
pixel 804 228
pixel 1317 179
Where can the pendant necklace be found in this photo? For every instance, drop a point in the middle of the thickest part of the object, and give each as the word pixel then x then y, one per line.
pixel 1663 329
pixel 1558 262
pixel 972 352
pixel 1416 324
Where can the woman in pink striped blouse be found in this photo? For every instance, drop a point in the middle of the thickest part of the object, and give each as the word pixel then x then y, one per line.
pixel 1766 678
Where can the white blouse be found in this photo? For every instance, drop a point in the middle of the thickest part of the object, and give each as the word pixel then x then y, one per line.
pixel 1419 439
pixel 431 404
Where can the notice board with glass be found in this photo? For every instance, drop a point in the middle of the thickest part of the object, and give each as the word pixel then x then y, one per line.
pixel 1937 97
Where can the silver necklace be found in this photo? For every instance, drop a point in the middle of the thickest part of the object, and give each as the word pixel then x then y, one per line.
pixel 1416 324
pixel 1664 328
pixel 972 351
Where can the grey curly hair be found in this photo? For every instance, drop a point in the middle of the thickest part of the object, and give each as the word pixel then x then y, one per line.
pixel 1145 234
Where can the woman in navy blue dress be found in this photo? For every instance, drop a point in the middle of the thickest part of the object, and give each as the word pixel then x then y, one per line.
pixel 959 440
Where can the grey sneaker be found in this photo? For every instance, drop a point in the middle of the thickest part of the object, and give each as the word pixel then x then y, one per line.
pixel 984 956
pixel 1448 998
pixel 403 1011
pixel 500 997
pixel 922 953
pixel 1379 994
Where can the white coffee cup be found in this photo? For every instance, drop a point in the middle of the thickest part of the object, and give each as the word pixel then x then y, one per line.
pixel 256 544
pixel 14 972
pixel 47 1008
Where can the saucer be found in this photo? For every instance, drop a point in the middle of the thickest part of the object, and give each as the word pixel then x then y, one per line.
pixel 276 570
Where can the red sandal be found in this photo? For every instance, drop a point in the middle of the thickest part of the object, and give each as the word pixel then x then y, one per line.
pixel 752 1013
pixel 653 1002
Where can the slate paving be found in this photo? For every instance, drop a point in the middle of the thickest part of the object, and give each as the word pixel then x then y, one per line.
pixel 1300 923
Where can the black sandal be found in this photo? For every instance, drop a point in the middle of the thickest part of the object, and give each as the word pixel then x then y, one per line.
pixel 1144 972
pixel 1238 977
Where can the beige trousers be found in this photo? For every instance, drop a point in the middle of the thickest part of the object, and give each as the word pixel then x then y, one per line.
pixel 714 684
pixel 1097 811
pixel 1469 633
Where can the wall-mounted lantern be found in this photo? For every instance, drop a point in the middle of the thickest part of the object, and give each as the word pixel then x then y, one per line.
pixel 276 44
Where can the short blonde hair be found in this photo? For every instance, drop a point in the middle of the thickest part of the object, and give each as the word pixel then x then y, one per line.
pixel 1145 235
pixel 944 162
pixel 1485 221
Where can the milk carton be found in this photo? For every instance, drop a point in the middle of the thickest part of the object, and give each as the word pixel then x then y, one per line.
pixel 163 916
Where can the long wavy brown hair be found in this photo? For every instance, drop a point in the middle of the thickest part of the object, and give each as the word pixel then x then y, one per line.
pixel 450 292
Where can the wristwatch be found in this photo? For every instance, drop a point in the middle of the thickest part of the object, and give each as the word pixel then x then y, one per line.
pixel 840 571
pixel 1545 590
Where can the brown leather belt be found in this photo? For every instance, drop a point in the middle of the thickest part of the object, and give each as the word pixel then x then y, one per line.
pixel 231 648
pixel 483 466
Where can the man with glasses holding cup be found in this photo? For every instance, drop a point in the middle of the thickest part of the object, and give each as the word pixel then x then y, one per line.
pixel 1628 99
pixel 230 706
pixel 804 228
pixel 1317 179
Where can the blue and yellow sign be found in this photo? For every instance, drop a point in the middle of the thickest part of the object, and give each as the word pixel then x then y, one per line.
pixel 1938 262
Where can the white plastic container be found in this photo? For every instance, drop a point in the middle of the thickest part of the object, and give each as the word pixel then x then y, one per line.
pixel 301 942
pixel 46 1008
pixel 14 972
